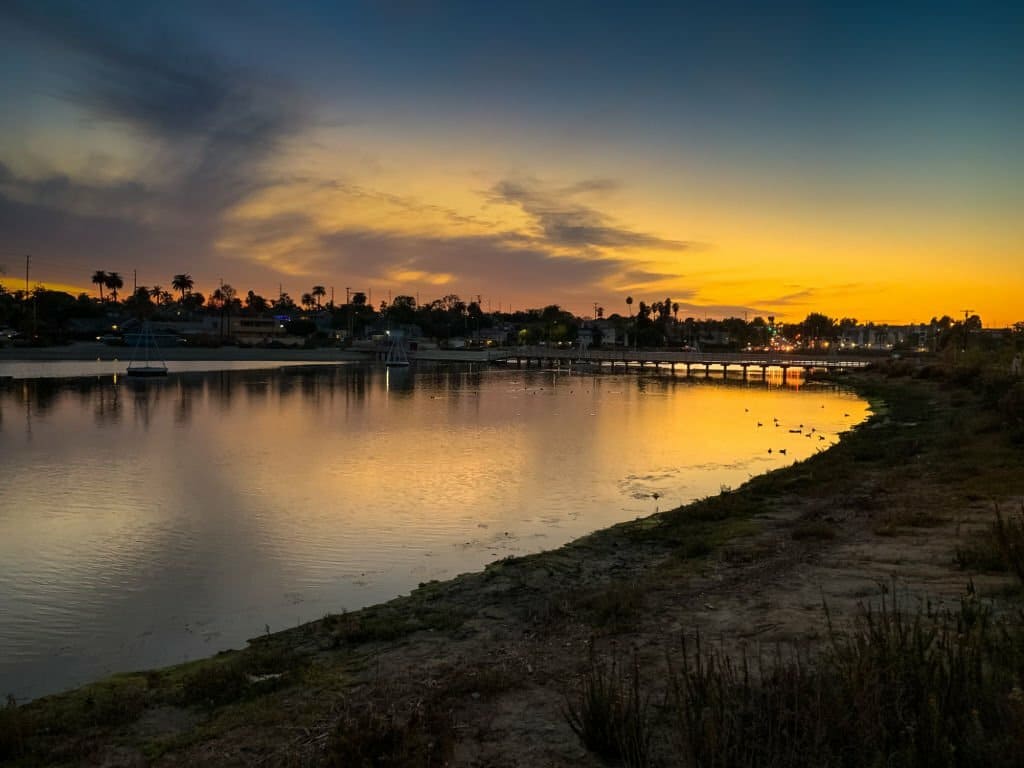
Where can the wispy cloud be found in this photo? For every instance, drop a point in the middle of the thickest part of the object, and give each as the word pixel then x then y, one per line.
pixel 561 220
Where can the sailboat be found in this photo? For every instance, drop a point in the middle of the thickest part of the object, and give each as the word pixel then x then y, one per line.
pixel 153 365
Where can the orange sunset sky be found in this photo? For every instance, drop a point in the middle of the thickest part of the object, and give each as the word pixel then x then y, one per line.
pixel 862 162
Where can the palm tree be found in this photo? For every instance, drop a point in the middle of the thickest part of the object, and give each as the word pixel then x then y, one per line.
pixel 255 303
pixel 155 291
pixel 113 282
pixel 183 283
pixel 99 277
pixel 318 293
pixel 307 300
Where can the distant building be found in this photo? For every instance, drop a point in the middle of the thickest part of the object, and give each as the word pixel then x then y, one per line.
pixel 884 336
pixel 497 335
pixel 610 336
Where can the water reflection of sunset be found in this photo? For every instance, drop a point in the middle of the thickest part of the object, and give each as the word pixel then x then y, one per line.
pixel 233 500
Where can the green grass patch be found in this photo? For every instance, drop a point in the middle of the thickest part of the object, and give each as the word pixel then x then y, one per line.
pixel 26 730
pixel 388 623
pixel 611 608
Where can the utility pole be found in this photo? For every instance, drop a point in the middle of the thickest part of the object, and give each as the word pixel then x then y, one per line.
pixel 967 313
pixel 332 295
pixel 348 313
pixel 28 260
pixel 135 281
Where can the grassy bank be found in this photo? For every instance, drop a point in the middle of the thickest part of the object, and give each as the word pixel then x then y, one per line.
pixel 589 652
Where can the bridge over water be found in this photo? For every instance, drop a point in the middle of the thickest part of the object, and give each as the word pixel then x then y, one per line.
pixel 705 362
pixel 700 362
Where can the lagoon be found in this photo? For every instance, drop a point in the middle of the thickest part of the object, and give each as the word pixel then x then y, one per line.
pixel 143 524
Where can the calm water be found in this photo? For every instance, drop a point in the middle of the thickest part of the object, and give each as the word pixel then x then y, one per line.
pixel 147 524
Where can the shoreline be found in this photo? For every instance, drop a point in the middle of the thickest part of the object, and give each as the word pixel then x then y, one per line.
pixel 96 351
pixel 502 647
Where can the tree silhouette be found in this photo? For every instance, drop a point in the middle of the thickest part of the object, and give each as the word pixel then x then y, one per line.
pixel 224 296
pixel 283 303
pixel 99 277
pixel 183 283
pixel 318 293
pixel 113 283
pixel 255 303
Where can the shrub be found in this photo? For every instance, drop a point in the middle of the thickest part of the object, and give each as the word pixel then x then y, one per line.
pixel 917 689
pixel 610 714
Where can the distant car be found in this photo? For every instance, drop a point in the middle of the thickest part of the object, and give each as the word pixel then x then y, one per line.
pixel 111 339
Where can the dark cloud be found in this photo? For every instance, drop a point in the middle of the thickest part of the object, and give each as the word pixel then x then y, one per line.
pixel 482 263
pixel 63 193
pixel 211 127
pixel 68 244
pixel 565 222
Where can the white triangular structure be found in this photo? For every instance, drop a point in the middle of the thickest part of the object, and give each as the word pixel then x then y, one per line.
pixel 397 354
pixel 152 364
